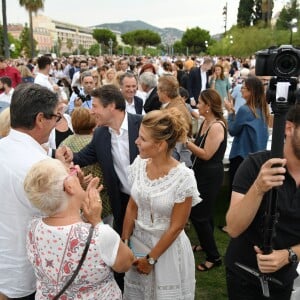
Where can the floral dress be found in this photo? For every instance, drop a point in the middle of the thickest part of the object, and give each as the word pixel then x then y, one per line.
pixel 173 276
pixel 55 252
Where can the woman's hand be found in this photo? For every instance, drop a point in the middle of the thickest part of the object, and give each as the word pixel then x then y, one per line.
pixel 142 265
pixel 228 105
pixel 92 204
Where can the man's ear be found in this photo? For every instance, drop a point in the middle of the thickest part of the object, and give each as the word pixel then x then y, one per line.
pixel 39 119
pixel 289 128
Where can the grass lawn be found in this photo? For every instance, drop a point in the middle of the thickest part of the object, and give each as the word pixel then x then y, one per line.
pixel 211 285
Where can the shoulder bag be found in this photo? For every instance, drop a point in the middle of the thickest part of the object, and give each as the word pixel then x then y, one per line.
pixel 69 282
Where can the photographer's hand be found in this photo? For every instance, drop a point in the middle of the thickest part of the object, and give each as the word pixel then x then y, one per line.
pixel 269 263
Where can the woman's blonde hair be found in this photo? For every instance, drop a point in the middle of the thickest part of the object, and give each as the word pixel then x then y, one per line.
pixel 5 122
pixel 166 125
pixel 44 186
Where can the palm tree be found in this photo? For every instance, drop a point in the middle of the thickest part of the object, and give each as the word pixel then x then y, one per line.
pixel 32 6
pixel 5 31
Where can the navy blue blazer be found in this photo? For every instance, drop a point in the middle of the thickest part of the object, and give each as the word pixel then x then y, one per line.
pixel 195 83
pixel 99 150
pixel 138 104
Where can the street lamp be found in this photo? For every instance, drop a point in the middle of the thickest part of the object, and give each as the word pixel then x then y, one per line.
pixel 206 44
pixel 231 39
pixel 110 43
pixel 293 28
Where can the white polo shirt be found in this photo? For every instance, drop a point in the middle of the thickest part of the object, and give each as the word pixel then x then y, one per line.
pixel 18 152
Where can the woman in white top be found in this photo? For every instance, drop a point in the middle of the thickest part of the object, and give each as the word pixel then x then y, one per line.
pixel 162 194
pixel 56 242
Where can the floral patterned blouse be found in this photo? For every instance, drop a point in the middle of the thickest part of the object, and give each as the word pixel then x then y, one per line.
pixel 55 252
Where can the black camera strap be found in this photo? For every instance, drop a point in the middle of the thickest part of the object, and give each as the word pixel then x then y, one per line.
pixel 69 282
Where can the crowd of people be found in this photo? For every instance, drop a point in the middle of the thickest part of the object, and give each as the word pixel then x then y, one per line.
pixel 104 160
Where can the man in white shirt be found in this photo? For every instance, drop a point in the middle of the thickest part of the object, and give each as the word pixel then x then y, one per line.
pixel 42 76
pixel 6 87
pixel 34 113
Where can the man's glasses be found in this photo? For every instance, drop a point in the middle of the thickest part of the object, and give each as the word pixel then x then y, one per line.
pixel 57 116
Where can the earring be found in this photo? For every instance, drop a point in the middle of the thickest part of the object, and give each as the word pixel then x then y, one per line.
pixel 207 111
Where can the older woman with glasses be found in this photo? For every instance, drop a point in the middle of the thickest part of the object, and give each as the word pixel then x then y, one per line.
pixel 55 242
pixel 249 126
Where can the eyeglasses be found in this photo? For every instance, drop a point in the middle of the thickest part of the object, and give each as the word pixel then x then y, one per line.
pixel 57 116
pixel 244 88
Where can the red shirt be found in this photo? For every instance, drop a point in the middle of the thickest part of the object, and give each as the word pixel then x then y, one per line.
pixel 13 74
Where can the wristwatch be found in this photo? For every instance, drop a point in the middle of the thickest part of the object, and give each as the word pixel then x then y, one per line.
pixel 293 258
pixel 151 260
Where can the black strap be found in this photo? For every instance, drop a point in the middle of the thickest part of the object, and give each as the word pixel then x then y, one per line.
pixel 88 241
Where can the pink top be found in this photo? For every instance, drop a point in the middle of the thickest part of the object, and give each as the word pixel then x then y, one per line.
pixel 55 251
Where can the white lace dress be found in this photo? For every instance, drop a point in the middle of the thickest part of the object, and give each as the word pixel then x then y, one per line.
pixel 173 276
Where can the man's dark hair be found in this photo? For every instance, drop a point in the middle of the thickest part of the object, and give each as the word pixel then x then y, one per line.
pixel 108 94
pixel 293 114
pixel 43 61
pixel 6 80
pixel 2 58
pixel 27 101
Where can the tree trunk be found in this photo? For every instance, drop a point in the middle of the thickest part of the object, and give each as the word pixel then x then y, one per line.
pixel 31 35
pixel 5 34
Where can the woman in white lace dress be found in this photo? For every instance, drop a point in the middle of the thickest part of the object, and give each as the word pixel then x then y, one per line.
pixel 163 192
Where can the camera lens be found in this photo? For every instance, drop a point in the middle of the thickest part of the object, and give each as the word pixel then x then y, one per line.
pixel 286 64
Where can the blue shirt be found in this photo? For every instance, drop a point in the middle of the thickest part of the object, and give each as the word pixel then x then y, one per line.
pixel 250 133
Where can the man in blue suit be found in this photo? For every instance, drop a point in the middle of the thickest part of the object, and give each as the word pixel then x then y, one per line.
pixel 113 146
pixel 198 80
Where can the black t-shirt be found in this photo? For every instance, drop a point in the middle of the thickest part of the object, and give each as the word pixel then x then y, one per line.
pixel 241 249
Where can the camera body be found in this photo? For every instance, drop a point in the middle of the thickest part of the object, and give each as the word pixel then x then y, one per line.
pixel 80 96
pixel 283 62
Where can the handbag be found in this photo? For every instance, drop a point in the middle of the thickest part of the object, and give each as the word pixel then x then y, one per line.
pixel 69 282
pixel 138 248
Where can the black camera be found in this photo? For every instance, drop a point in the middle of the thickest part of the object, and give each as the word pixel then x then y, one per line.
pixel 83 98
pixel 283 62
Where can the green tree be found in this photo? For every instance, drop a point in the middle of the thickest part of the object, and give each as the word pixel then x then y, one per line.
pixel 26 46
pixel 287 14
pixel 81 49
pixel 266 11
pixel 179 48
pixel 103 36
pixel 245 13
pixel 32 6
pixel 94 50
pixel 194 39
pixel 69 44
pixel 128 39
pixel 5 31
pixel 146 38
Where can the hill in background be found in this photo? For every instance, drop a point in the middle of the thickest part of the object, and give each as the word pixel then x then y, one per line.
pixel 168 35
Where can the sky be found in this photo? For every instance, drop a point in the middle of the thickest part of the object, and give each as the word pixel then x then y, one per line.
pixel 180 14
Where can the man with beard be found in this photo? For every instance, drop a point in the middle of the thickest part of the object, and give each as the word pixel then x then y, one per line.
pixel 245 218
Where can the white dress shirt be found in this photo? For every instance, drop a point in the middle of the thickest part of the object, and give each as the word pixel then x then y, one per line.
pixel 18 152
pixel 120 154
pixel 43 80
pixel 6 97
pixel 203 80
